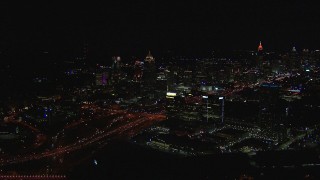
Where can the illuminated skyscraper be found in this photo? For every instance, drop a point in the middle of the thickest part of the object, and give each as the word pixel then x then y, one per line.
pixel 260 58
pixel 260 47
pixel 116 69
pixel 149 58
pixel 149 75
pixel 294 60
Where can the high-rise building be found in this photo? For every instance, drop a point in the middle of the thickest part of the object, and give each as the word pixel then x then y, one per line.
pixel 138 71
pixel 116 69
pixel 260 47
pixel 263 61
pixel 260 58
pixel 172 76
pixel 293 61
pixel 101 79
pixel 149 75
pixel 269 116
pixel 149 58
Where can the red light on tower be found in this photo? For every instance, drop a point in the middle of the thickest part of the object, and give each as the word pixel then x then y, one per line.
pixel 260 48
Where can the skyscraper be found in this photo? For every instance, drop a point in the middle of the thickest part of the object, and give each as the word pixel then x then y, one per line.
pixel 261 60
pixel 149 58
pixel 149 75
pixel 138 71
pixel 260 47
pixel 116 69
pixel 101 79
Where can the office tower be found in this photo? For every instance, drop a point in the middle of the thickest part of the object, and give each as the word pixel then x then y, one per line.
pixel 137 76
pixel 101 79
pixel 260 48
pixel 149 76
pixel 260 57
pixel 116 69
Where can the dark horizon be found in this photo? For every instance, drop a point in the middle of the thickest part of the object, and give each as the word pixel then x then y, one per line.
pixel 133 28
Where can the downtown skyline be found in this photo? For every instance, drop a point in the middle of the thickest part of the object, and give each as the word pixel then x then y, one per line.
pixel 134 28
pixel 160 90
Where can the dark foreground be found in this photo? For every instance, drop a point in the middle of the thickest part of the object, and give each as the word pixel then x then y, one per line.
pixel 127 161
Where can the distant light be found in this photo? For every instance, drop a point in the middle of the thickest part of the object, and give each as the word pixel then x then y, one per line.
pixel 95 162
pixel 220 98
pixel 294 49
pixel 308 70
pixel 205 97
pixel 171 94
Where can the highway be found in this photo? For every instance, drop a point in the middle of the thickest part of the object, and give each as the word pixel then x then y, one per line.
pixel 122 125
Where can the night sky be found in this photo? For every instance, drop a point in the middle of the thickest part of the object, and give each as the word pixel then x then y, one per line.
pixel 134 27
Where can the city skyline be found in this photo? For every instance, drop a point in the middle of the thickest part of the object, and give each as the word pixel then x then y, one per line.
pixel 160 90
pixel 178 26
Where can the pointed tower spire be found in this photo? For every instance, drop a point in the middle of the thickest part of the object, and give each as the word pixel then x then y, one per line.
pixel 149 57
pixel 260 48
